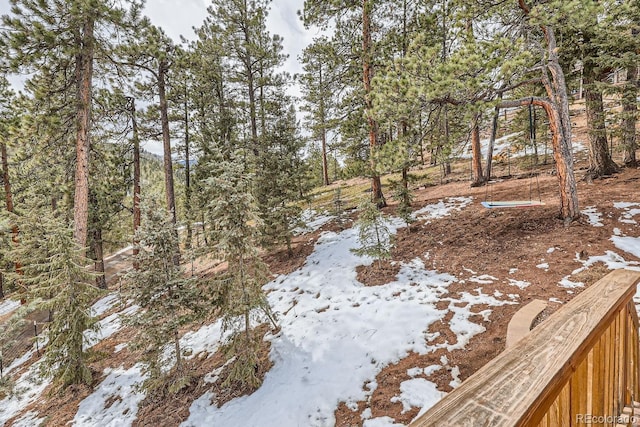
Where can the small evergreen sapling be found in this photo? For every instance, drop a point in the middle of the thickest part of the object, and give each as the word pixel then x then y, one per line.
pixel 404 197
pixel 167 299
pixel 235 224
pixel 373 234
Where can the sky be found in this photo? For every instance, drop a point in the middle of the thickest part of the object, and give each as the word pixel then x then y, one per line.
pixel 283 20
pixel 178 18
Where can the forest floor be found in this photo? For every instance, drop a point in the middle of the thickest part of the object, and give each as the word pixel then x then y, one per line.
pixel 514 255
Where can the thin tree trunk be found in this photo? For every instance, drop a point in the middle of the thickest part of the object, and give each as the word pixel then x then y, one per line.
pixel 9 202
pixel 478 177
pixel 446 164
pixel 492 140
pixel 325 165
pixel 98 253
pixel 176 343
pixel 600 162
pixel 83 76
pixel 187 172
pixel 630 109
pixel 136 180
pixel 376 185
pixel 248 61
pixel 166 143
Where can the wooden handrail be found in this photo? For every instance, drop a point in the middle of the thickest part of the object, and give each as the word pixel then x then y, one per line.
pixel 581 362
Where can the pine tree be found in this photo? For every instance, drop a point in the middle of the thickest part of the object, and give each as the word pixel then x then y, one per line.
pixel 319 88
pixel 345 14
pixel 373 234
pixel 58 41
pixel 152 52
pixel 167 298
pixel 58 281
pixel 234 223
pixel 278 184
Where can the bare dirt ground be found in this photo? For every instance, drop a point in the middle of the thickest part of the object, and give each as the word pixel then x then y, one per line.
pixel 478 241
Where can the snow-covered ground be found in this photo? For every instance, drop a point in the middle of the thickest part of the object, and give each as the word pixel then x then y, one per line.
pixel 336 336
pixel 312 221
pixel 506 143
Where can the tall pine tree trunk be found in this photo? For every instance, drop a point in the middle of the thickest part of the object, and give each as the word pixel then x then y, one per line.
pixel 630 110
pixel 101 280
pixel 9 201
pixel 136 178
pixel 83 78
pixel 187 172
pixel 559 123
pixel 323 133
pixel 600 163
pixel 492 140
pixel 367 71
pixel 478 177
pixel 166 143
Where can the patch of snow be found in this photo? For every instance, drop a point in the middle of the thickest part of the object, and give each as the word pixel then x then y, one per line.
pixel 29 387
pixel 566 283
pixel 628 244
pixel 627 215
pixel 455 374
pixel 114 403
pixel 593 215
pixel 104 304
pixel 484 279
pixel 7 306
pixel 414 372
pixel 441 209
pixel 617 232
pixel 543 266
pixel 29 419
pixel 118 348
pixel 366 414
pixel 513 270
pixel 551 250
pixel 556 300
pixel 108 326
pixel 431 369
pixel 312 221
pixel 381 422
pixel 322 357
pixel 417 392
pixel 519 283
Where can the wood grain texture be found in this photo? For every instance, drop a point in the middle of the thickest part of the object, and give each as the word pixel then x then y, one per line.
pixel 521 384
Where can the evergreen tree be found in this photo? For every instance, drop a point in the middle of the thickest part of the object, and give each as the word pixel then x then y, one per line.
pixel 279 183
pixel 234 222
pixel 167 298
pixel 57 280
pixel 374 235
pixel 152 52
pixel 58 41
pixel 319 88
pixel 362 14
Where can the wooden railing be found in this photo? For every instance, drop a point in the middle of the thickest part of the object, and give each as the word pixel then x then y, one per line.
pixel 577 368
